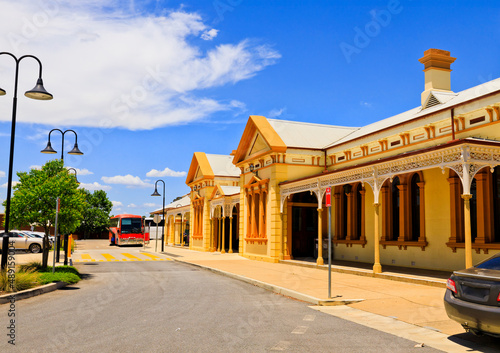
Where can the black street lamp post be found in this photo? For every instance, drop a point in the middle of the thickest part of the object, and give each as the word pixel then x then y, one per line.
pixel 74 151
pixel 38 92
pixel 163 211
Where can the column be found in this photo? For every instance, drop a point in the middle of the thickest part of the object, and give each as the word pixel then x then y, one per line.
pixel 218 233
pixel 230 235
pixel 211 235
pixel 468 233
pixel 377 267
pixel 223 235
pixel 320 261
pixel 181 240
pixel 261 215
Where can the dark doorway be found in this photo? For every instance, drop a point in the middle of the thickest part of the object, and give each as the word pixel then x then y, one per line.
pixel 304 225
pixel 236 230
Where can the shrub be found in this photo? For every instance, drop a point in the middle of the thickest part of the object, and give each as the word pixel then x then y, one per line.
pixel 23 280
pixel 49 277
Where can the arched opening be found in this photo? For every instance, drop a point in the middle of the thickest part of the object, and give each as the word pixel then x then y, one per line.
pixel 235 236
pixel 496 203
pixel 303 224
pixel 415 207
pixel 473 209
pixel 395 208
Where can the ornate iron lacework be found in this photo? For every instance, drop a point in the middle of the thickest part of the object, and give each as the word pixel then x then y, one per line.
pixel 455 158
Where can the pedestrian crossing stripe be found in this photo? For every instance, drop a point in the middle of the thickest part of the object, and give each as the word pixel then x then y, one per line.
pixel 111 258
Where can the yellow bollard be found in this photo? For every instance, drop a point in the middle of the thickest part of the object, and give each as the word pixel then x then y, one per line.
pixel 70 242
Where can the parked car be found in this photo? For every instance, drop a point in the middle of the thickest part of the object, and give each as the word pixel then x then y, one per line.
pixel 38 235
pixel 24 242
pixel 472 297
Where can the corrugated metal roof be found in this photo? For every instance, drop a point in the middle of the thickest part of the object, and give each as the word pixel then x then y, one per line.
pixel 230 190
pixel 308 135
pixel 222 165
pixel 448 100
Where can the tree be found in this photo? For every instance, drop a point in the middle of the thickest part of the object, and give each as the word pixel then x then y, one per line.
pixel 34 201
pixel 96 213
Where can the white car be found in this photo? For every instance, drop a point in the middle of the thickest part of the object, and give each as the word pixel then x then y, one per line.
pixel 24 242
pixel 38 235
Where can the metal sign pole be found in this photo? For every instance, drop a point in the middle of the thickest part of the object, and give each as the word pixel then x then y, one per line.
pixel 56 243
pixel 329 252
pixel 329 205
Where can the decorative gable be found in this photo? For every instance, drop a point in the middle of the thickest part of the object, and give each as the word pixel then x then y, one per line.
pixel 258 145
pixel 258 138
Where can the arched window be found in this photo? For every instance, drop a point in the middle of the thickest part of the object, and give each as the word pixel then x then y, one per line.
pixel 395 208
pixel 484 209
pixel 349 214
pixel 403 214
pixel 415 207
pixel 496 203
pixel 473 209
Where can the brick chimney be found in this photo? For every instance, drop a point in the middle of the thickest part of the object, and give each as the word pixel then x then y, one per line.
pixel 437 72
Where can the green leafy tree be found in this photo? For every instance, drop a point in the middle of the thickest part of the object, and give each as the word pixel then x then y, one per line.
pixel 34 201
pixel 96 213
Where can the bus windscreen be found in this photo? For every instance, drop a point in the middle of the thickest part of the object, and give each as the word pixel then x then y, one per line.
pixel 131 225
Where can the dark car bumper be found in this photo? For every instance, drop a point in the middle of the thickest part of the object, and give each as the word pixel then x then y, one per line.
pixel 473 316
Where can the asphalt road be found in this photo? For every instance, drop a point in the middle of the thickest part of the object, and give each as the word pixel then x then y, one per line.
pixel 154 306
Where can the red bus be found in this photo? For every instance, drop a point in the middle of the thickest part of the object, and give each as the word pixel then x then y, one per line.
pixel 127 229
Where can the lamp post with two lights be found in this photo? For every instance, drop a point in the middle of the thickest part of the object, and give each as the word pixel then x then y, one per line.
pixel 39 93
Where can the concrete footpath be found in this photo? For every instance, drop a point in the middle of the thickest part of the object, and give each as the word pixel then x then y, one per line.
pixel 395 303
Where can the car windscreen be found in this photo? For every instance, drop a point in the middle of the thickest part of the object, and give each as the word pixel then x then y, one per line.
pixel 131 225
pixel 490 264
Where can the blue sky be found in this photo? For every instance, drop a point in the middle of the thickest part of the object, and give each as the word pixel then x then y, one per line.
pixel 145 84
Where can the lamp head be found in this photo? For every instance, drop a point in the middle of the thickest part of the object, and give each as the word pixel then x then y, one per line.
pixel 2 92
pixel 251 167
pixel 48 149
pixel 75 150
pixel 155 193
pixel 39 92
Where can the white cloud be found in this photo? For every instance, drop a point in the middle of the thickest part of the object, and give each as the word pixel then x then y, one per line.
pixel 95 186
pixel 14 183
pixel 128 180
pixel 117 203
pixel 276 112
pixel 151 205
pixel 37 167
pixel 209 35
pixel 2 174
pixel 365 104
pixel 132 205
pixel 140 71
pixel 153 173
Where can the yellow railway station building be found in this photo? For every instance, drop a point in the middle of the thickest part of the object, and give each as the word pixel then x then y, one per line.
pixel 420 189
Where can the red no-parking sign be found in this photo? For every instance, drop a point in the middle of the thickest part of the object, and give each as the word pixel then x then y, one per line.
pixel 328 197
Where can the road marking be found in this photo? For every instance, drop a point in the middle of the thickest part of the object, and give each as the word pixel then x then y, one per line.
pixel 300 330
pixel 309 317
pixel 281 346
pixel 109 257
pixel 153 257
pixel 131 257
